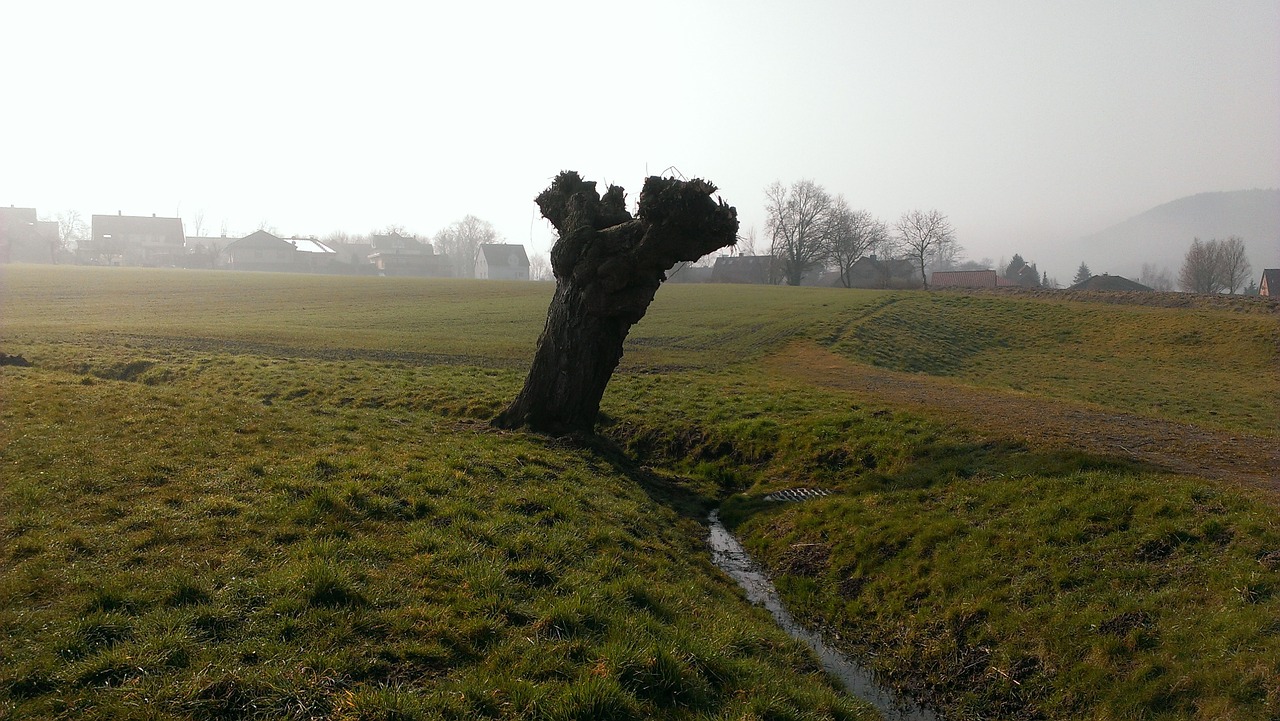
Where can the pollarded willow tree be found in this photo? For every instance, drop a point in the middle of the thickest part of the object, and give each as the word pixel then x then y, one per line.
pixel 608 266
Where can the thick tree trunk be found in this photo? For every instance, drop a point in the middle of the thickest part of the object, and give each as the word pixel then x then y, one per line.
pixel 608 267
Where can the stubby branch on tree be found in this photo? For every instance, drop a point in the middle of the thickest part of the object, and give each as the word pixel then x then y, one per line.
pixel 608 266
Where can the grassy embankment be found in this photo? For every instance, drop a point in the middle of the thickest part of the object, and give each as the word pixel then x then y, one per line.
pixel 290 508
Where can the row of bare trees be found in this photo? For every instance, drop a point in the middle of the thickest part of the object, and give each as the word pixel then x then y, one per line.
pixel 1214 266
pixel 461 241
pixel 809 229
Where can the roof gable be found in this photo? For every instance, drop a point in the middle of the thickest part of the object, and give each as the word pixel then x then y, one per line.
pixel 393 242
pixel 1270 281
pixel 260 240
pixel 1108 282
pixel 504 255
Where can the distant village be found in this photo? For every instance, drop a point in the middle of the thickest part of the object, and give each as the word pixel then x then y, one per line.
pixel 156 242
pixel 161 242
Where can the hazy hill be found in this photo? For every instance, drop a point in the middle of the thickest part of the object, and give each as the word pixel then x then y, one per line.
pixel 1163 234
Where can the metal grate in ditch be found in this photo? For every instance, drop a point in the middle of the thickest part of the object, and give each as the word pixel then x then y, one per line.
pixel 797 494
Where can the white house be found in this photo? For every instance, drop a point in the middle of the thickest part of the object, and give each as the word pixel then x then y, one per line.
pixel 502 261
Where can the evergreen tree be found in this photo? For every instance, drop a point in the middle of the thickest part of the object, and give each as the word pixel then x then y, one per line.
pixel 1082 274
pixel 1015 267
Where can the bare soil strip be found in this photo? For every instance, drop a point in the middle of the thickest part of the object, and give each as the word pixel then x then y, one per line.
pixel 1178 447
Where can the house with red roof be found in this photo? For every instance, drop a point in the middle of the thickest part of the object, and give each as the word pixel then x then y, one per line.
pixel 968 279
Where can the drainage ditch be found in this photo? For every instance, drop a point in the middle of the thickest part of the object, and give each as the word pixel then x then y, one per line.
pixel 732 558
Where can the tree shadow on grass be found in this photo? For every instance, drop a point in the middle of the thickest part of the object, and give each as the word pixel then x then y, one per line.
pixel 688 496
pixel 694 497
pixel 946 463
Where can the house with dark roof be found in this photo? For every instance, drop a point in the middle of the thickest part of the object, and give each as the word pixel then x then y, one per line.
pixel 394 254
pixel 266 252
pixel 260 251
pixel 502 261
pixel 687 272
pixel 763 269
pixel 136 240
pixel 1109 283
pixel 870 272
pixel 1270 283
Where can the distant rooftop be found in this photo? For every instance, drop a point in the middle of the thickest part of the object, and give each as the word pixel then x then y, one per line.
pixel 310 245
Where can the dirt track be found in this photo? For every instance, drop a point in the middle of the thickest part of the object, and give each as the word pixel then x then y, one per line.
pixel 1178 447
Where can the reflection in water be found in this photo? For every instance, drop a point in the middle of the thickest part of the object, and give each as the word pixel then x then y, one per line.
pixel 729 555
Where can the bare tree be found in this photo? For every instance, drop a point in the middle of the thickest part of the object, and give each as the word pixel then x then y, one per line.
pixel 797 223
pixel 852 234
pixel 923 236
pixel 1214 266
pixel 197 223
pixel 746 242
pixel 948 257
pixel 72 230
pixel 461 241
pixel 540 267
pixel 1233 263
pixel 608 267
pixel 887 255
pixel 980 264
pixel 1156 278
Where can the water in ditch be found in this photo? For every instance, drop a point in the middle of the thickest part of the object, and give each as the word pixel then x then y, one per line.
pixel 731 558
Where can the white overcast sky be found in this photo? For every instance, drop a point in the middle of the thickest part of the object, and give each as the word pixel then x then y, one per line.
pixel 1028 123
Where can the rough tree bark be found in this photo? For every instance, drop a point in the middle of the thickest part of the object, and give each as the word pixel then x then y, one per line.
pixel 608 266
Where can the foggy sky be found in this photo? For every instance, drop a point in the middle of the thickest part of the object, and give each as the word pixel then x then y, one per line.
pixel 1029 124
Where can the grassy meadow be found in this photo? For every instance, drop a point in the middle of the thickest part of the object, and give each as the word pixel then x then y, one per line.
pixel 268 496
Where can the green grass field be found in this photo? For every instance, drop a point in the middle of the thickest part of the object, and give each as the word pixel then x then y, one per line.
pixel 251 495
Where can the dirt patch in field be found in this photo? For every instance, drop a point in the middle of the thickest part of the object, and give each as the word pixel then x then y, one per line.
pixel 1178 447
